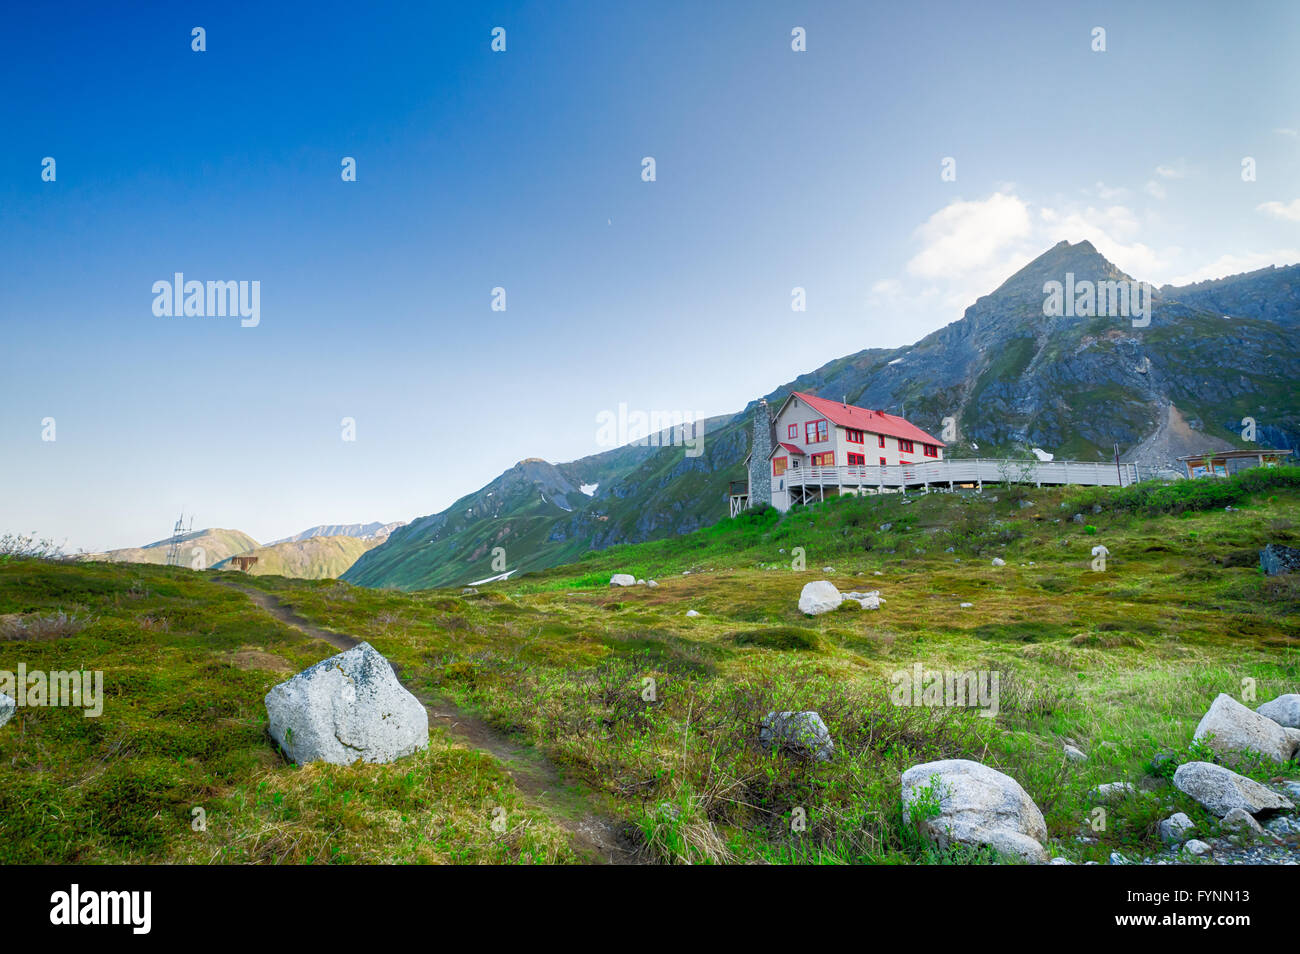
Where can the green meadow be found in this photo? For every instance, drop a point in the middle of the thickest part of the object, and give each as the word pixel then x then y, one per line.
pixel 652 717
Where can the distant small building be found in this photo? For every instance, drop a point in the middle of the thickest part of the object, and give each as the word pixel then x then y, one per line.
pixel 243 562
pixel 1225 463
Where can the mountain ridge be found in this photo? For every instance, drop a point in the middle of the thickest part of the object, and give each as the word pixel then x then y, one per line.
pixel 1010 377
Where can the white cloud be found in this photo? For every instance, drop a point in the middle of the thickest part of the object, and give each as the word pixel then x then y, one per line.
pixel 969 247
pixel 1293 133
pixel 1172 170
pixel 1155 190
pixel 1113 231
pixel 1108 194
pixel 1234 264
pixel 1290 211
pixel 965 237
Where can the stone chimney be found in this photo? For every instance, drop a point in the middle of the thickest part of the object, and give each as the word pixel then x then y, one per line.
pixel 760 469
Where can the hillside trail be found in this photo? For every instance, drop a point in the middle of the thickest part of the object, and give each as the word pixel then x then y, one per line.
pixel 595 835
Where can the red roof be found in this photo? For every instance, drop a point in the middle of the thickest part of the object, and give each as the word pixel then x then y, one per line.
pixel 859 418
pixel 790 447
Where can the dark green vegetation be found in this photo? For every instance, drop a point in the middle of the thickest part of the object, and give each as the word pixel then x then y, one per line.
pixel 659 713
pixel 1013 379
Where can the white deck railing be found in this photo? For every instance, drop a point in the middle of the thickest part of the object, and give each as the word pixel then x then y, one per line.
pixel 964 471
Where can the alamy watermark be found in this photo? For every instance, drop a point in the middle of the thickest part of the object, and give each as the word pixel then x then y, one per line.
pixel 651 429
pixel 182 299
pixel 1089 299
pixel 35 688
pixel 972 689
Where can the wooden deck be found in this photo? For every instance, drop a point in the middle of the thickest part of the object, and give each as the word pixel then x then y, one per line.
pixel 811 484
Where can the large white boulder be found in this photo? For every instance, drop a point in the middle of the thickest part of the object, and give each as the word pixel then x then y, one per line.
pixel 819 597
pixel 1284 710
pixel 345 708
pixel 804 732
pixel 1230 728
pixel 622 579
pixel 977 805
pixel 7 708
pixel 1220 790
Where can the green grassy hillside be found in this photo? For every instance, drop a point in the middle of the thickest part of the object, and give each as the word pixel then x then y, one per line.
pixel 212 545
pixel 314 558
pixel 655 714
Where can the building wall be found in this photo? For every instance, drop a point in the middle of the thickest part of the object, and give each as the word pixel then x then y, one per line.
pixel 760 468
pixel 798 413
pixel 871 449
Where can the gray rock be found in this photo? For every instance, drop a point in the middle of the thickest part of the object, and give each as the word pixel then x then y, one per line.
pixel 652 584
pixel 977 806
pixel 998 561
pixel 886 527
pixel 1293 735
pixel 1077 518
pixel 1284 710
pixel 1117 859
pixel 1239 819
pixel 1058 860
pixel 1175 828
pixel 870 600
pixel 1230 728
pixel 348 707
pixel 692 613
pixel 7 708
pixel 828 569
pixel 967 605
pixel 1075 754
pixel 1197 848
pixel 819 597
pixel 622 579
pixel 1220 790
pixel 469 591
pixel 1282 826
pixel 640 582
pixel 804 732
pixel 1275 559
pixel 1112 792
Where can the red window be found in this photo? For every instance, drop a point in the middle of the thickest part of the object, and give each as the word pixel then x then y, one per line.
pixel 792 432
pixel 778 466
pixel 882 460
pixel 881 438
pixel 857 460
pixel 904 447
pixel 815 432
pixel 852 436
pixel 824 460
pixel 931 450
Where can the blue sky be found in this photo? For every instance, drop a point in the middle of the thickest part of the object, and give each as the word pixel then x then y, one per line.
pixel 522 169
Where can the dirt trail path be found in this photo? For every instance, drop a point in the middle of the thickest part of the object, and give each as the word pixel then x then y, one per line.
pixel 595 836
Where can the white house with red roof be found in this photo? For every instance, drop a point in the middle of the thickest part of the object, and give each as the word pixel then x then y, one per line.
pixel 817 448
pixel 814 448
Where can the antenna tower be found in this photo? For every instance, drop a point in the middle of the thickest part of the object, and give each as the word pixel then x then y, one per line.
pixel 179 533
